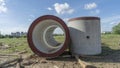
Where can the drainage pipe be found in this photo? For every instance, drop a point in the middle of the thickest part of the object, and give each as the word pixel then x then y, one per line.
pixel 40 36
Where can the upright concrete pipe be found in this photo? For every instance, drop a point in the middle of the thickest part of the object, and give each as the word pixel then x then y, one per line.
pixel 85 35
pixel 40 36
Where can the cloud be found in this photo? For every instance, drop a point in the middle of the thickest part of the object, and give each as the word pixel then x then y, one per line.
pixel 111 19
pixel 49 8
pixel 31 17
pixel 108 22
pixel 66 19
pixel 63 8
pixel 97 11
pixel 3 8
pixel 90 6
pixel 13 29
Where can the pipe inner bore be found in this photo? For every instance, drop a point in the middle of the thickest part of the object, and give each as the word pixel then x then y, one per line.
pixel 51 40
pixel 43 37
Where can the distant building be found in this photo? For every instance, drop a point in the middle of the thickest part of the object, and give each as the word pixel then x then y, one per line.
pixel 18 34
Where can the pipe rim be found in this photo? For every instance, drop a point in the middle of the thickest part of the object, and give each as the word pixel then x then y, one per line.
pixel 31 28
pixel 84 18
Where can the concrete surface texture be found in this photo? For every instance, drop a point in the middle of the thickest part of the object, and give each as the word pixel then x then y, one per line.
pixel 85 35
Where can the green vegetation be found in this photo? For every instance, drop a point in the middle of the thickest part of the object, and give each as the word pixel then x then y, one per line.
pixel 110 40
pixel 110 44
pixel 59 39
pixel 15 45
pixel 116 29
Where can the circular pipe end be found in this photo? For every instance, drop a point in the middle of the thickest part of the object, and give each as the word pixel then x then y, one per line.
pixel 36 31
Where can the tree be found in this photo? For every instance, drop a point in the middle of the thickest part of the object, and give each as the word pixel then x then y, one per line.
pixel 0 35
pixel 116 29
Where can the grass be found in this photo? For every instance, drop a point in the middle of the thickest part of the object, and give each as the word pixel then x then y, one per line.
pixel 16 45
pixel 59 39
pixel 110 44
pixel 111 40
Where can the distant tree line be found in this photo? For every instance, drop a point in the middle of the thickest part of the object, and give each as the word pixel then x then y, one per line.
pixel 116 29
pixel 107 32
pixel 58 34
pixel 9 36
pixel 14 35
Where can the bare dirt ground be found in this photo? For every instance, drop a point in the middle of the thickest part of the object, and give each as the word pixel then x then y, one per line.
pixel 111 60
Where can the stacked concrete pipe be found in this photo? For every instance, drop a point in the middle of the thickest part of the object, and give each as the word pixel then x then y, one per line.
pixel 84 35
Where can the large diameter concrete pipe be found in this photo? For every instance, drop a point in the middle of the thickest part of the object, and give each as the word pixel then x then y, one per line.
pixel 40 36
pixel 85 35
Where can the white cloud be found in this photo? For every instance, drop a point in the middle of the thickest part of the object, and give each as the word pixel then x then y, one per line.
pixel 63 8
pixel 49 8
pixel 90 6
pixel 13 29
pixel 108 22
pixel 111 19
pixel 12 25
pixel 97 11
pixel 31 18
pixel 3 8
pixel 66 19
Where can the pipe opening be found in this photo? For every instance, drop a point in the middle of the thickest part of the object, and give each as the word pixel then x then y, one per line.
pixel 59 35
pixel 88 37
pixel 44 40
pixel 52 37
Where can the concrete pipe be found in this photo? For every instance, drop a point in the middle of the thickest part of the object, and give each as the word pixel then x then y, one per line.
pixel 40 36
pixel 85 35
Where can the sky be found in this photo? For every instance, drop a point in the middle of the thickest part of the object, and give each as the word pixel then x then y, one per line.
pixel 17 15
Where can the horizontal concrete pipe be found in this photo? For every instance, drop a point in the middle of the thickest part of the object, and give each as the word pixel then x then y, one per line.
pixel 40 36
pixel 84 35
